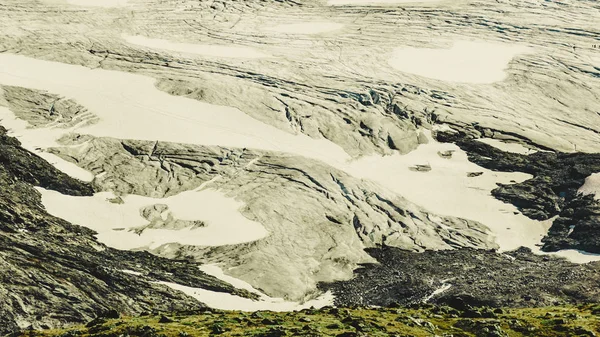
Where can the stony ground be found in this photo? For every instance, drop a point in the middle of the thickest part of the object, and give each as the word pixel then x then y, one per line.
pixel 468 277
pixel 419 321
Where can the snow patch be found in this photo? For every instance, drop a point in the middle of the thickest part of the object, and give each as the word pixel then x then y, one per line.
pixel 507 147
pixel 216 271
pixel 465 61
pixel 198 49
pixel 438 291
pixel 66 167
pixel 591 186
pixel 574 255
pixel 307 28
pixel 226 301
pixel 115 223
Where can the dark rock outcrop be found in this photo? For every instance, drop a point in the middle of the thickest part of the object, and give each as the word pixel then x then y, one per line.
pixel 466 278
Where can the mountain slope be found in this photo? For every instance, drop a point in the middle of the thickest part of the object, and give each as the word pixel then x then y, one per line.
pixel 54 272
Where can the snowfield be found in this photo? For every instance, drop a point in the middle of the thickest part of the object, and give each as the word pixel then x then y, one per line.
pixel 283 146
pixel 116 223
pixel 377 2
pixel 130 107
pixel 466 61
pixel 91 3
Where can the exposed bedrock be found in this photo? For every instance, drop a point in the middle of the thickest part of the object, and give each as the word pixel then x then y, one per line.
pixel 468 277
pixel 552 192
pixel 319 218
pixel 54 273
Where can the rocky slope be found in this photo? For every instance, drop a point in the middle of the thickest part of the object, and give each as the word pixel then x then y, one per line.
pixel 53 272
pixel 467 277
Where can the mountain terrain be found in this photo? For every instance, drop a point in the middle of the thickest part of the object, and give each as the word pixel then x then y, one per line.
pixel 164 156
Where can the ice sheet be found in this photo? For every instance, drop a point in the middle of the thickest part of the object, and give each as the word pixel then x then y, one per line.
pixel 130 107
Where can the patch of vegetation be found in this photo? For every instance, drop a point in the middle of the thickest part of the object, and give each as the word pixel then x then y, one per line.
pixel 422 320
